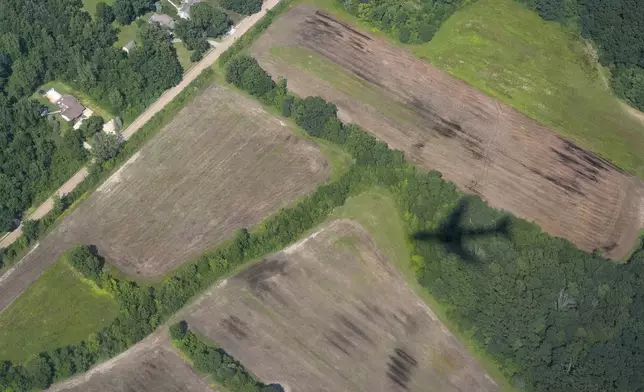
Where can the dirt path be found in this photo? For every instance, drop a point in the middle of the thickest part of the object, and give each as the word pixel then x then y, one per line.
pixel 155 108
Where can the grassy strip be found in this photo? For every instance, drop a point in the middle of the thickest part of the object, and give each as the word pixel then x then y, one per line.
pixel 40 320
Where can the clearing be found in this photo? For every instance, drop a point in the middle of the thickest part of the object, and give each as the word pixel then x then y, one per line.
pixel 330 313
pixel 151 365
pixel 59 309
pixel 541 69
pixel 441 123
pixel 223 163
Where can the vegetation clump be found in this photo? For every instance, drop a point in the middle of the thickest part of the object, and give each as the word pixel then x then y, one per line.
pixel 215 361
pixel 244 7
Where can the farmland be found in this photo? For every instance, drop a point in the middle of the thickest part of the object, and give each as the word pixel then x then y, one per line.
pixel 61 308
pixel 485 147
pixel 208 172
pixel 330 313
pixel 151 365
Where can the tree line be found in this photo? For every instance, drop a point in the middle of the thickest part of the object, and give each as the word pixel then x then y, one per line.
pixel 552 317
pixel 215 361
pixel 409 22
pixel 44 40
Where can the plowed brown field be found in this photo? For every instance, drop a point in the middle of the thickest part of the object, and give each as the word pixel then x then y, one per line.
pixel 221 164
pixel 152 365
pixel 330 313
pixel 441 123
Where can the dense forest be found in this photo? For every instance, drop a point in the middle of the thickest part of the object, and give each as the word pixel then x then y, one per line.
pixel 552 317
pixel 44 40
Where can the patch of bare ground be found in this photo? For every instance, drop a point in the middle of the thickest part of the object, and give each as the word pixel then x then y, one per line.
pixel 441 123
pixel 151 365
pixel 223 163
pixel 330 313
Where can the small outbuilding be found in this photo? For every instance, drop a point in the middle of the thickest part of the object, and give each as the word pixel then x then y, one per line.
pixel 129 46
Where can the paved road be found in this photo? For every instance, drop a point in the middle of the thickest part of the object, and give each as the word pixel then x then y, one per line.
pixel 155 108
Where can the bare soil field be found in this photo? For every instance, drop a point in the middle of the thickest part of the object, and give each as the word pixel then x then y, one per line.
pixel 151 365
pixel 441 123
pixel 330 313
pixel 221 164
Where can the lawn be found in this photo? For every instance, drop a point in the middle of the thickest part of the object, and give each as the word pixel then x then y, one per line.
pixel 90 5
pixel 183 54
pixel 130 32
pixel 538 67
pixel 60 308
pixel 82 98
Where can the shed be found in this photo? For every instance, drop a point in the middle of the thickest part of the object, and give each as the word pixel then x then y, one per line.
pixel 129 46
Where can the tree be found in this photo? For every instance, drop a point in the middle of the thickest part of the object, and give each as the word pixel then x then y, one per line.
pixel 85 261
pixel 178 331
pixel 245 7
pixel 257 81
pixel 105 146
pixel 104 13
pixel 31 229
pixel 92 126
pixel 124 12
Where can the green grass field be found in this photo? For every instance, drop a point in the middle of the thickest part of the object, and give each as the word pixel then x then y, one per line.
pixel 183 54
pixel 543 70
pixel 538 67
pixel 90 5
pixel 60 308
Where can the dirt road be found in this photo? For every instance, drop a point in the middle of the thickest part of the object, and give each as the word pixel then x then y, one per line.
pixel 155 108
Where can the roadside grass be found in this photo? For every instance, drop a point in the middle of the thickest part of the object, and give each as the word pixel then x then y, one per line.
pixel 377 211
pixel 90 5
pixel 540 68
pixel 183 54
pixel 82 97
pixel 59 309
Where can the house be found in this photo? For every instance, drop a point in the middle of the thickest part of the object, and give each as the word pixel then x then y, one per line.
pixel 70 108
pixel 87 113
pixel 112 126
pixel 129 46
pixel 184 10
pixel 162 20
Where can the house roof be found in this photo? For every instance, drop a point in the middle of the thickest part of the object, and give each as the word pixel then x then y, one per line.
pixel 163 20
pixel 70 108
